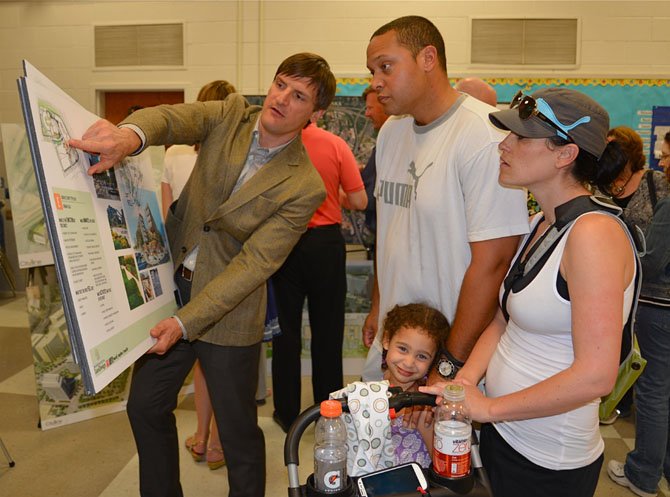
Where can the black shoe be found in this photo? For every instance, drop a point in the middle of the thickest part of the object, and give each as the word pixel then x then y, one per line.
pixel 282 425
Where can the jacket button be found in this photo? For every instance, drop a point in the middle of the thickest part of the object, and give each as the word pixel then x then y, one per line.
pixel 206 228
pixel 183 250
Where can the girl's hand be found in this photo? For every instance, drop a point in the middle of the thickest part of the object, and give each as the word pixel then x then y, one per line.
pixel 417 417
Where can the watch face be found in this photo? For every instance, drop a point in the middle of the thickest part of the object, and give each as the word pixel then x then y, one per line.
pixel 445 368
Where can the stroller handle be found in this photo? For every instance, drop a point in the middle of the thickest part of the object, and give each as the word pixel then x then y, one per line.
pixel 397 401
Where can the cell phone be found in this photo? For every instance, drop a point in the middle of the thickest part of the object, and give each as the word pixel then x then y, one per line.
pixel 396 480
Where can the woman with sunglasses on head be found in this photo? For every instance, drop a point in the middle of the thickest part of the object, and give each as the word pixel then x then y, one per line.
pixel 548 364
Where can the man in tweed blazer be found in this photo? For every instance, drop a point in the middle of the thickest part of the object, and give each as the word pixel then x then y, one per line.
pixel 248 200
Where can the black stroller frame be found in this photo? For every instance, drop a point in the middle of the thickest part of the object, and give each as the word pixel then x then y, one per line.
pixel 477 486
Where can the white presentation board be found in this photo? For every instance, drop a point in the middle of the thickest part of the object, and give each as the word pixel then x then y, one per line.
pixel 108 238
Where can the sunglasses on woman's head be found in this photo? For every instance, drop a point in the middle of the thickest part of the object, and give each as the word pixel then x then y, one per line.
pixel 528 107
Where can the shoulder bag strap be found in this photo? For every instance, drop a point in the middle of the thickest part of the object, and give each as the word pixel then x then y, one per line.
pixel 516 271
pixel 651 185
pixel 537 255
pixel 524 264
pixel 630 322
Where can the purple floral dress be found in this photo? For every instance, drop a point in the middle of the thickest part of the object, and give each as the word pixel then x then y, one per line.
pixel 408 445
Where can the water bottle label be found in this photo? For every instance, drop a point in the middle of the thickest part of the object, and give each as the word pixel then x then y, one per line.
pixel 332 480
pixel 451 456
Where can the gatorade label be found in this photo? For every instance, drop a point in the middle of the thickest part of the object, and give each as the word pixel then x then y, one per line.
pixel 332 480
pixel 451 456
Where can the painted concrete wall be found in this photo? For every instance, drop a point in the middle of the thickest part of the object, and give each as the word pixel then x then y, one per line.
pixel 243 41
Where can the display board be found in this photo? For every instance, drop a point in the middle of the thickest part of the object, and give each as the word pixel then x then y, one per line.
pixel 108 239
pixel 346 118
pixel 60 391
pixel 660 126
pixel 30 230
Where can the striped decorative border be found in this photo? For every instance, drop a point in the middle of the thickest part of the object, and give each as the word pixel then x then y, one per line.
pixel 577 82
pixel 353 87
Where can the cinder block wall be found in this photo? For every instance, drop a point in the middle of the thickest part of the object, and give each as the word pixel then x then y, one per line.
pixel 243 41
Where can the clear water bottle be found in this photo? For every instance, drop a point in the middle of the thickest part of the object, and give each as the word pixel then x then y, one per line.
pixel 451 443
pixel 330 450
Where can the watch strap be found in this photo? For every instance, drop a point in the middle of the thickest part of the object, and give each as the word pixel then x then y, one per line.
pixel 454 361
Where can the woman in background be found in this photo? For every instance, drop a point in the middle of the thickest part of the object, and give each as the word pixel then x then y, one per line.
pixel 636 190
pixel 650 459
pixel 664 161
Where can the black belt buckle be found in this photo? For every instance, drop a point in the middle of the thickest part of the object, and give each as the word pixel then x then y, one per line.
pixel 186 273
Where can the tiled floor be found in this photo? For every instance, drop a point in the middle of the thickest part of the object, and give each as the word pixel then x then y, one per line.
pixel 96 458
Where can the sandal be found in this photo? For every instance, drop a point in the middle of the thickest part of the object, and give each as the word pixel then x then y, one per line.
pixel 191 444
pixel 215 459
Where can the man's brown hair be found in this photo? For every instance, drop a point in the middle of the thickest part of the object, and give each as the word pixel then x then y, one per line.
pixel 315 68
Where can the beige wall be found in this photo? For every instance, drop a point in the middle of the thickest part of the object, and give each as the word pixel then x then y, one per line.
pixel 243 41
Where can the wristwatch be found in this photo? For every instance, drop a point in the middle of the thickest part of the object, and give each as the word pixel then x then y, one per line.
pixel 446 368
pixel 448 365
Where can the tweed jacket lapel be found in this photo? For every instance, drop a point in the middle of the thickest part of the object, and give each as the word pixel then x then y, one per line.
pixel 238 154
pixel 271 174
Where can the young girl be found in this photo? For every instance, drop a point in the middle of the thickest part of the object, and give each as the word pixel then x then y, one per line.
pixel 413 335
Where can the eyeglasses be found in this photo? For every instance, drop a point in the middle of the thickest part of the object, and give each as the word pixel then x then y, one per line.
pixel 529 107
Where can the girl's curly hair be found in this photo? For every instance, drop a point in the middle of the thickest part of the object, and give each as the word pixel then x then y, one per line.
pixel 431 321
